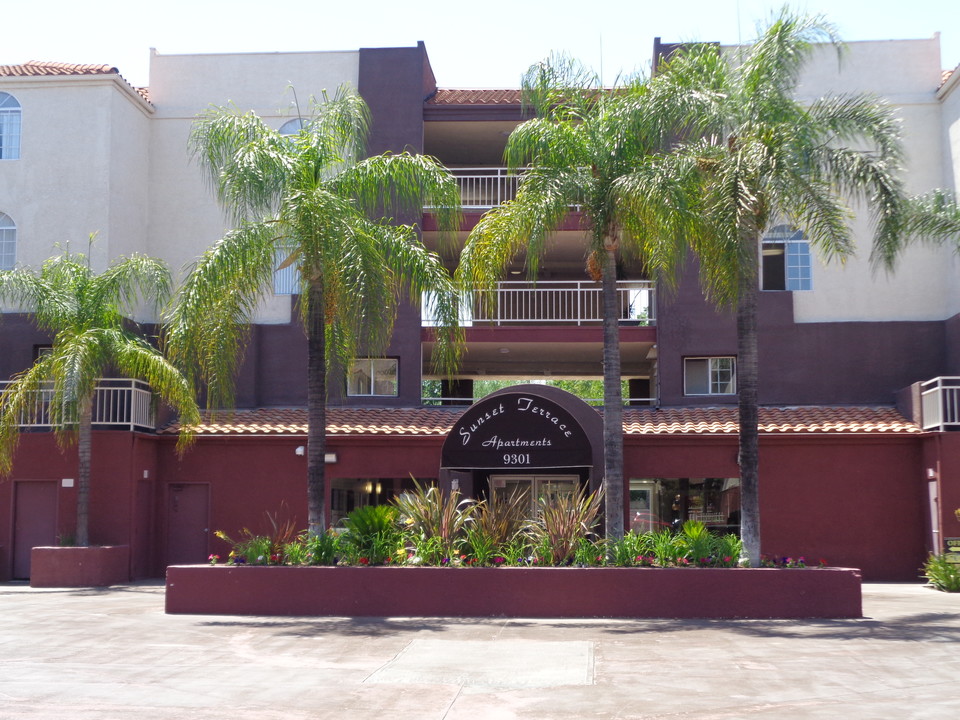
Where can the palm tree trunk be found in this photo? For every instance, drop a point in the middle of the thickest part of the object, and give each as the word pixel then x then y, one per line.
pixel 749 452
pixel 612 401
pixel 84 443
pixel 317 518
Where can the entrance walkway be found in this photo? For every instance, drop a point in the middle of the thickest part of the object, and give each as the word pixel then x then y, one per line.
pixel 112 653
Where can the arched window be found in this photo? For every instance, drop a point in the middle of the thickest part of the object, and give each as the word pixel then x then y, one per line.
pixel 786 259
pixel 291 127
pixel 8 242
pixel 9 127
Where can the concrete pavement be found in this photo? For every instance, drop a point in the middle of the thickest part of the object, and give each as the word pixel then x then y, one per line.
pixel 114 654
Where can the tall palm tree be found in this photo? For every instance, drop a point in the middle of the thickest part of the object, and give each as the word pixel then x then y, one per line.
pixel 757 157
pixel 87 315
pixel 581 143
pixel 312 198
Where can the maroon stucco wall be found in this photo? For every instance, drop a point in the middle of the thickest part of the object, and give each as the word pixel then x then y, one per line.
pixel 79 566
pixel 119 460
pixel 514 592
pixel 941 457
pixel 853 501
pixel 846 363
pixel 952 339
pixel 856 501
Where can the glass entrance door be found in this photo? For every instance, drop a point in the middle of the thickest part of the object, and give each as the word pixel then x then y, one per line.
pixel 534 487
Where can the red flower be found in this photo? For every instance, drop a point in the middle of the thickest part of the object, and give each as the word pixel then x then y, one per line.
pixel 364 561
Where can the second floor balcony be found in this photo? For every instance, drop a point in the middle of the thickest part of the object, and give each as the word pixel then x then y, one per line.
pixel 560 302
pixel 118 403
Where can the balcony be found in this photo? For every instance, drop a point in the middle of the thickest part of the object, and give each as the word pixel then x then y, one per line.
pixel 561 302
pixel 940 403
pixel 482 188
pixel 118 403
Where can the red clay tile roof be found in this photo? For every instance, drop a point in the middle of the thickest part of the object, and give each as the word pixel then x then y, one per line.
pixel 434 421
pixel 39 67
pixel 340 421
pixel 475 97
pixel 33 68
pixel 773 420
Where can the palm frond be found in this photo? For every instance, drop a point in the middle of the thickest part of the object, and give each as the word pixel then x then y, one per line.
pixel 403 184
pixel 136 358
pixel 208 322
pixel 26 401
pixel 128 281
pixel 934 217
pixel 246 164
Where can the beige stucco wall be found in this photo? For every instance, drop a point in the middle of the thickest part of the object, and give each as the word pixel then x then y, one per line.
pixel 82 167
pixel 905 74
pixel 184 219
pixel 949 96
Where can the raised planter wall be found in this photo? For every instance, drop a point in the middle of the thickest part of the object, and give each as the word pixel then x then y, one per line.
pixel 95 566
pixel 514 592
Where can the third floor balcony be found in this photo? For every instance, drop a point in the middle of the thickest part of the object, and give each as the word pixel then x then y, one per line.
pixel 554 302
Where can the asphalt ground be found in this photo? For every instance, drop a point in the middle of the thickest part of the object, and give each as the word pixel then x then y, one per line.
pixel 113 653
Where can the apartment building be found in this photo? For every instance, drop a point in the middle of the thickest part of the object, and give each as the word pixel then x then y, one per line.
pixel 858 369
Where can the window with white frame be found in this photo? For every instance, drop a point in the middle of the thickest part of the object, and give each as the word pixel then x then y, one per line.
pixel 709 376
pixel 9 127
pixel 373 377
pixel 286 276
pixel 8 242
pixel 785 257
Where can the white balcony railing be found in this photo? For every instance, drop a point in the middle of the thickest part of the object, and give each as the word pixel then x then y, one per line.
pixel 117 402
pixel 595 402
pixel 555 302
pixel 482 188
pixel 940 403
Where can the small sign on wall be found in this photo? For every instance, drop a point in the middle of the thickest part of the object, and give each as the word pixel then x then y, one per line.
pixel 951 550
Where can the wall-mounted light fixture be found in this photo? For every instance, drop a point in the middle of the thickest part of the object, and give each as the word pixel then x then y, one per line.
pixel 328 458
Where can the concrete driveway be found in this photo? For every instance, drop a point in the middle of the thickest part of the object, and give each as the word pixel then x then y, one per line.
pixel 113 653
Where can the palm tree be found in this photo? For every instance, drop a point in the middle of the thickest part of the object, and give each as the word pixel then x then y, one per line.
pixel 582 142
pixel 85 313
pixel 757 157
pixel 312 199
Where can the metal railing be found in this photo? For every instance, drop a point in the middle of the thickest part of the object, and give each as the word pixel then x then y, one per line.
pixel 594 402
pixel 117 403
pixel 940 403
pixel 570 302
pixel 485 187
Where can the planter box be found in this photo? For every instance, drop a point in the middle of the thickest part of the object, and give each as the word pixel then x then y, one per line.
pixel 514 592
pixel 95 566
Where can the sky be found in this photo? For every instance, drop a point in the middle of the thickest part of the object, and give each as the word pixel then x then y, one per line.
pixel 488 43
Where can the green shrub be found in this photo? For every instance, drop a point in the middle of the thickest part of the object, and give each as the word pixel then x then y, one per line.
pixel 696 543
pixel 632 549
pixel 942 575
pixel 372 535
pixel 562 521
pixel 323 549
pixel 435 522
